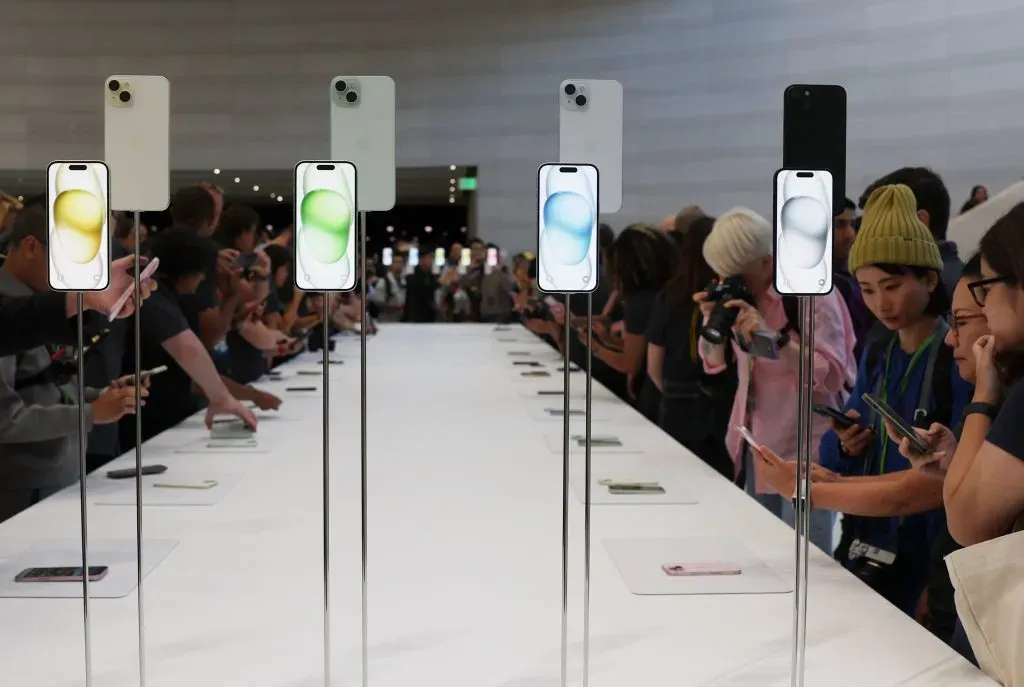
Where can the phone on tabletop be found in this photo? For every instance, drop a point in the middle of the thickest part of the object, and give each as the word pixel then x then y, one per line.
pixel 128 473
pixel 700 569
pixel 302 388
pixel 526 363
pixel 551 392
pixel 844 421
pixel 901 426
pixel 78 226
pixel 535 373
pixel 814 134
pixel 119 304
pixel 232 443
pixel 136 141
pixel 205 484
pixel 232 430
pixel 626 489
pixel 61 574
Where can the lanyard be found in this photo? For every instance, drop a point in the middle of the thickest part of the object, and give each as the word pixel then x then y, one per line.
pixel 902 389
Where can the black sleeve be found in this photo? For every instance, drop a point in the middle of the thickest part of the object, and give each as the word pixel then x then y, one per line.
pixel 638 312
pixel 1006 432
pixel 161 318
pixel 658 322
pixel 36 320
pixel 206 295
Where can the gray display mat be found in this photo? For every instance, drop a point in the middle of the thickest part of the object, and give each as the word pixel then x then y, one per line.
pixel 639 562
pixel 577 393
pixel 117 554
pixel 676 492
pixel 104 491
pixel 539 413
pixel 201 447
pixel 554 443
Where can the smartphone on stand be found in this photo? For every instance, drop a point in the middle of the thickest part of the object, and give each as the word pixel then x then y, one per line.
pixel 814 134
pixel 136 141
pixel 590 132
pixel 567 207
pixel 363 132
pixel 325 225
pixel 78 226
pixel 803 232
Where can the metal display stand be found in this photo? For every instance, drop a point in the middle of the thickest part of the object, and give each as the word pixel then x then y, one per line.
pixel 802 521
pixel 566 407
pixel 327 488
pixel 82 467
pixel 364 325
pixel 139 570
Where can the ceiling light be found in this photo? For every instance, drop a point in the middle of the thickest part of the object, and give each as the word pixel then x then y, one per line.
pixel 272 194
pixel 451 167
pixel 237 180
pixel 390 229
pixel 21 198
pixel 280 198
pixel 451 199
pixel 463 230
pixel 428 229
pixel 451 181
pixel 216 171
pixel 255 188
pixel 451 189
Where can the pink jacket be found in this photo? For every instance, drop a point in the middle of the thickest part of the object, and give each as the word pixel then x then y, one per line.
pixel 773 418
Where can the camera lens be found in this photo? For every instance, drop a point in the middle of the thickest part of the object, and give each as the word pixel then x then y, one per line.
pixel 124 96
pixel 581 100
pixel 807 94
pixel 570 89
pixel 340 86
pixel 351 96
pixel 114 85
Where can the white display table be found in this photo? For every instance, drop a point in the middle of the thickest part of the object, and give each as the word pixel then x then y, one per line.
pixel 464 541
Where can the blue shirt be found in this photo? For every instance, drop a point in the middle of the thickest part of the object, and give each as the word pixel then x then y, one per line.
pixel 912 537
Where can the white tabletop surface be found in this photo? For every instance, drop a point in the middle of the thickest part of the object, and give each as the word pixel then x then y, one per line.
pixel 464 541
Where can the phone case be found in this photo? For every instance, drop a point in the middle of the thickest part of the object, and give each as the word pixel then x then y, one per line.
pixel 590 132
pixel 363 132
pixel 136 141
pixel 698 569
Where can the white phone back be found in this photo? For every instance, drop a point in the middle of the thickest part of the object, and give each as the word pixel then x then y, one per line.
pixel 364 134
pixel 137 144
pixel 594 136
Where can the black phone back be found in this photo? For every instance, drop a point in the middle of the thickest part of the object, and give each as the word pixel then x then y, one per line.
pixel 814 133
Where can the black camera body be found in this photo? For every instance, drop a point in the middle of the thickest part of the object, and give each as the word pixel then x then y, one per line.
pixel 718 329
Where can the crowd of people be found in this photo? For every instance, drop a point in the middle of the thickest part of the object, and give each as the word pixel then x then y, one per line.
pixel 688 327
pixel 685 324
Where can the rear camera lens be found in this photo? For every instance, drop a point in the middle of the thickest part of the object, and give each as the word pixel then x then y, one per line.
pixel 570 89
pixel 124 96
pixel 340 86
pixel 581 100
pixel 351 96
pixel 114 85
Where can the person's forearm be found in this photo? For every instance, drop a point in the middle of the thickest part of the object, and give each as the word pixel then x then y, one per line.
pixel 33 424
pixel 877 498
pixel 713 355
pixel 958 496
pixel 889 476
pixel 613 300
pixel 617 360
pixel 191 355
pixel 215 323
pixel 243 392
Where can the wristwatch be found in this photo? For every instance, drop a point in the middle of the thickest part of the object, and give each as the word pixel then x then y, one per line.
pixel 989 409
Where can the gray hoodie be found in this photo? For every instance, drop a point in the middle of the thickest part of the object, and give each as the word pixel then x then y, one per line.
pixel 38 423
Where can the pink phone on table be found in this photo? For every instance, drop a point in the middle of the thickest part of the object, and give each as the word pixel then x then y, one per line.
pixel 696 569
pixel 747 436
pixel 119 304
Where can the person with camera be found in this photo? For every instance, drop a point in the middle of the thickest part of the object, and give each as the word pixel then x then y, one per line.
pixel 743 310
pixel 897 262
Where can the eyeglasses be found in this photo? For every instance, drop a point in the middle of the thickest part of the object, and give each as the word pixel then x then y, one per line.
pixel 956 321
pixel 979 289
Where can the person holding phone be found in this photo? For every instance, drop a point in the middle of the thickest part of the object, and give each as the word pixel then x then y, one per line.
pixel 897 263
pixel 739 249
pixel 885 495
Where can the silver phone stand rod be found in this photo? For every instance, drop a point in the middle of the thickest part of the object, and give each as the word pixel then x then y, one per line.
pixel 82 467
pixel 802 519
pixel 586 496
pixel 139 571
pixel 566 407
pixel 327 491
pixel 365 322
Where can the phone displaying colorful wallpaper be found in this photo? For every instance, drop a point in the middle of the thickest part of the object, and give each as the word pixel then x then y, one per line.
pixel 567 228
pixel 325 226
pixel 78 231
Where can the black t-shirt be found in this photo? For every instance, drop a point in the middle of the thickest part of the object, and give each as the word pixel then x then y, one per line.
pixel 672 327
pixel 420 294
pixel 1007 432
pixel 170 394
pixel 205 296
pixel 639 306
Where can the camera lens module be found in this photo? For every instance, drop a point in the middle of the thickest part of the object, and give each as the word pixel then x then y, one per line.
pixel 340 86
pixel 570 89
pixel 124 96
pixel 351 96
pixel 581 100
pixel 114 85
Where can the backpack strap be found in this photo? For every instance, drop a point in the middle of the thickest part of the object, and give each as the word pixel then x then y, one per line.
pixel 940 378
pixel 791 306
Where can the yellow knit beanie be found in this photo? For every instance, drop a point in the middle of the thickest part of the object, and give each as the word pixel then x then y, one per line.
pixel 891 233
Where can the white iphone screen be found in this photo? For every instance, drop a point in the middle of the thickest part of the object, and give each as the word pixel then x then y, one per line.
pixel 78 232
pixel 567 228
pixel 325 226
pixel 803 232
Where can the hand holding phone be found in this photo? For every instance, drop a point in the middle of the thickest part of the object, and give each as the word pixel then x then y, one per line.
pixel 115 310
pixel 855 439
pixel 748 436
pixel 898 424
pixel 941 446
pixel 838 418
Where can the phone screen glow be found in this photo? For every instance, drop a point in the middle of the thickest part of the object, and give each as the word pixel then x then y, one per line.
pixel 325 230
pixel 77 232
pixel 567 228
